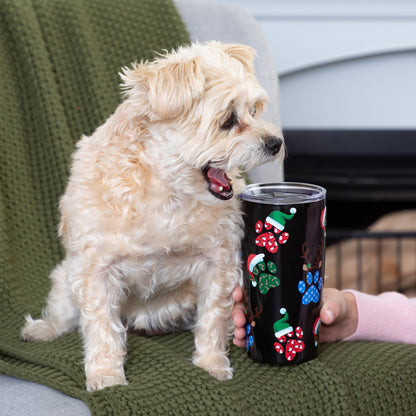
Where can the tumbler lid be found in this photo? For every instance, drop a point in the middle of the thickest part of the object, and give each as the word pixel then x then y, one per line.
pixel 283 193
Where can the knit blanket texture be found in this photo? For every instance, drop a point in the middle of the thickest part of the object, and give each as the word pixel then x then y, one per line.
pixel 59 64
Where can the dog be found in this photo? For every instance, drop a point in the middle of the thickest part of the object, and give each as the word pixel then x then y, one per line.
pixel 150 219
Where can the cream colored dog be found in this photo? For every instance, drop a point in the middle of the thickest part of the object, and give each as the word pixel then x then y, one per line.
pixel 150 219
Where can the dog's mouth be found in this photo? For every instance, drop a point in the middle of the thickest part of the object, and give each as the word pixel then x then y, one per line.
pixel 219 184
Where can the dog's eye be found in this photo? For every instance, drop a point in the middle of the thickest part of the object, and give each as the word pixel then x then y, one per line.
pixel 253 111
pixel 230 122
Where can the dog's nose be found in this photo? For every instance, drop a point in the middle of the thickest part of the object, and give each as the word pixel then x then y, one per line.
pixel 273 144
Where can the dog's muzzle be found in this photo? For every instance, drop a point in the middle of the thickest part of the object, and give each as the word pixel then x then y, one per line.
pixel 273 144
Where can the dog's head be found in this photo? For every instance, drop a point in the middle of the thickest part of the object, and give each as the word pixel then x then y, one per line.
pixel 204 104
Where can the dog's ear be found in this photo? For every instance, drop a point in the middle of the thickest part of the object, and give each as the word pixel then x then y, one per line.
pixel 174 86
pixel 243 53
pixel 170 87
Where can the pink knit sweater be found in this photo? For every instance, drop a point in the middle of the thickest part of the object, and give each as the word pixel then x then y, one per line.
pixel 389 317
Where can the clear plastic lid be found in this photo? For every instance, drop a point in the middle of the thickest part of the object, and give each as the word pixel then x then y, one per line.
pixel 283 193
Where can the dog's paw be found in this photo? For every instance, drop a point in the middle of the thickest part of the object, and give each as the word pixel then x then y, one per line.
pixel 222 374
pixel 105 378
pixel 38 330
pixel 216 366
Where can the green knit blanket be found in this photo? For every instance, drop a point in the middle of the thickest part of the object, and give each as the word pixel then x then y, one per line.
pixel 59 61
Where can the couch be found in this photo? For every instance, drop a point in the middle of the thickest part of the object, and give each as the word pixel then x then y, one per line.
pixel 345 379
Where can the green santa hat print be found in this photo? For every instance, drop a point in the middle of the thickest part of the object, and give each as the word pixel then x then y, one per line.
pixel 282 326
pixel 278 219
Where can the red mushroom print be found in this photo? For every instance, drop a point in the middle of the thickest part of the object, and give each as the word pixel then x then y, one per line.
pixel 299 332
pixel 268 241
pixel 293 346
pixel 284 332
pixel 259 226
pixel 278 347
pixel 275 221
pixel 283 238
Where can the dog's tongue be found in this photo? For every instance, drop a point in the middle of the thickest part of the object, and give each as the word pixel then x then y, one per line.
pixel 218 177
pixel 219 182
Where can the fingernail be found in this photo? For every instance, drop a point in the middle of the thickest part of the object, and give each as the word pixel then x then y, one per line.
pixel 330 314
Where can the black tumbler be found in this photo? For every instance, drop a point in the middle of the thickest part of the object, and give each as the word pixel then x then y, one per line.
pixel 283 254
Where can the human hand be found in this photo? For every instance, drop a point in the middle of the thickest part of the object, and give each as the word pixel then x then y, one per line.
pixel 239 318
pixel 339 316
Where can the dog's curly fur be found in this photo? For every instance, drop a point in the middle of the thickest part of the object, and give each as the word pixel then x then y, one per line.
pixel 149 221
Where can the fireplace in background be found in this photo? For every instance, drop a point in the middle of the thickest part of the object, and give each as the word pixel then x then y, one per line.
pixel 348 107
pixel 367 173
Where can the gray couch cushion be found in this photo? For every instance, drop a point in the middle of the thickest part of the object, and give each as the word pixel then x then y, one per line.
pixel 23 398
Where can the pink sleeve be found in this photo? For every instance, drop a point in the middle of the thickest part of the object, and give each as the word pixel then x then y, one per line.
pixel 389 317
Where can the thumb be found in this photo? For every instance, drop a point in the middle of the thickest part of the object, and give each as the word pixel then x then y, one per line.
pixel 327 315
pixel 331 308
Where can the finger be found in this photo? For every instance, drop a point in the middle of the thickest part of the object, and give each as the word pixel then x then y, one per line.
pixel 238 315
pixel 238 294
pixel 240 333
pixel 329 334
pixel 327 315
pixel 239 342
pixel 332 304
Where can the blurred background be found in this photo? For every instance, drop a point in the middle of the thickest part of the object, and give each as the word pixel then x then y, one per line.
pixel 347 74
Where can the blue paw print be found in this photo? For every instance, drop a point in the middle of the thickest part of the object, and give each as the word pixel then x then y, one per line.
pixel 311 288
pixel 249 337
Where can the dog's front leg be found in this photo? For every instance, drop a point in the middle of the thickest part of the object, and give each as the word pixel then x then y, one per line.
pixel 100 294
pixel 214 324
